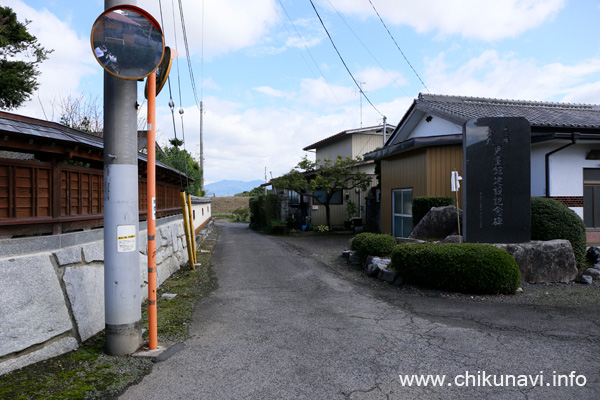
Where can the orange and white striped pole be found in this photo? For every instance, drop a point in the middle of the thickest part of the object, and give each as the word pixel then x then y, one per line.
pixel 151 213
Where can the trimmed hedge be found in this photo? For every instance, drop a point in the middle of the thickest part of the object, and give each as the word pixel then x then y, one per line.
pixel 550 219
pixel 422 205
pixel 372 244
pixel 465 267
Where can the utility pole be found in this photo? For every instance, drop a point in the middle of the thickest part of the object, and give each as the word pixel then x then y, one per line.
pixel 202 144
pixel 360 95
pixel 384 129
pixel 122 293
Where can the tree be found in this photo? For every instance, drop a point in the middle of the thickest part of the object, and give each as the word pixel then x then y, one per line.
pixel 183 161
pixel 328 177
pixel 83 113
pixel 18 78
pixel 257 191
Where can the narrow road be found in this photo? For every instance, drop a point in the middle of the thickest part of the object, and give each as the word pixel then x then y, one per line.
pixel 283 325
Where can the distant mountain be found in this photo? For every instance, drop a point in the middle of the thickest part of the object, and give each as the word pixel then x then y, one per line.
pixel 229 188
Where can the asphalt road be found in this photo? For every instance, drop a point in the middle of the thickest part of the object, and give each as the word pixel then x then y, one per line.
pixel 283 324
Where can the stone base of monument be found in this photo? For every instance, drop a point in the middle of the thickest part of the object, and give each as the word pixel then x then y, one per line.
pixel 550 261
pixel 543 261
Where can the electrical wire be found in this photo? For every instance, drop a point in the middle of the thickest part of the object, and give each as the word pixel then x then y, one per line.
pixel 399 49
pixel 342 59
pixel 366 48
pixel 312 58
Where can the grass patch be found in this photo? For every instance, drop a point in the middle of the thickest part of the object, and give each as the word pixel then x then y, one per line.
pixel 89 373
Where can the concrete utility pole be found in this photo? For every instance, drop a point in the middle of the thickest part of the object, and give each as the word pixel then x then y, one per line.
pixel 122 291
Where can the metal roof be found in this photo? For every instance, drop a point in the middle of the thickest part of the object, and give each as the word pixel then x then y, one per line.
pixel 54 131
pixel 348 132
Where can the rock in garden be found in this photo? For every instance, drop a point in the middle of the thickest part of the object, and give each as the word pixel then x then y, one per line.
pixel 438 223
pixel 593 272
pixel 593 254
pixel 452 239
pixel 543 261
pixel 401 240
pixel 386 275
pixel 374 264
pixel 585 279
pixel 354 260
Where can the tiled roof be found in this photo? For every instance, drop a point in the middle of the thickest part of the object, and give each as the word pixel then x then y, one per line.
pixel 538 113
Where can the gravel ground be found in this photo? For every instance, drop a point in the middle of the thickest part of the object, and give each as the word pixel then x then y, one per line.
pixel 329 247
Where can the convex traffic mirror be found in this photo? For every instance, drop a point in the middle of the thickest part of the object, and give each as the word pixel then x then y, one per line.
pixel 127 42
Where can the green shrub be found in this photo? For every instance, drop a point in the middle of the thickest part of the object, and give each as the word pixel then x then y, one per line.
pixel 422 205
pixel 372 244
pixel 322 228
pixel 465 267
pixel 551 219
pixel 263 211
pixel 240 215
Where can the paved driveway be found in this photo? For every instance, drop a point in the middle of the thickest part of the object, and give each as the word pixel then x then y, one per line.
pixel 284 324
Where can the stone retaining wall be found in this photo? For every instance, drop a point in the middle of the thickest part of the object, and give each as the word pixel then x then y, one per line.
pixel 53 289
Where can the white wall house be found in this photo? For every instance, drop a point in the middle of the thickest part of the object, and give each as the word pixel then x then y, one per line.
pixel 565 151
pixel 350 143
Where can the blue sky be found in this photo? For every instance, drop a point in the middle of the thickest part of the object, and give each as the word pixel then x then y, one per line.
pixel 271 85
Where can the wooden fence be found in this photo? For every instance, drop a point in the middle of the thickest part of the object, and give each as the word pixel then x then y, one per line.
pixel 39 197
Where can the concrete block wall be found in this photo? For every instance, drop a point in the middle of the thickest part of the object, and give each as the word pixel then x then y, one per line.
pixel 53 289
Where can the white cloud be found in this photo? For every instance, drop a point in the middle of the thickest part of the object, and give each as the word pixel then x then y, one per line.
pixel 227 25
pixel 492 74
pixel 269 91
pixel 317 92
pixel 65 67
pixel 240 142
pixel 377 78
pixel 474 19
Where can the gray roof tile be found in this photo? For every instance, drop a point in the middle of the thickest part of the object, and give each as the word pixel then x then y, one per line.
pixel 538 113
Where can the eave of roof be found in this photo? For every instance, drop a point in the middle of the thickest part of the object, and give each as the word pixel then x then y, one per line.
pixel 412 144
pixel 346 132
pixel 28 126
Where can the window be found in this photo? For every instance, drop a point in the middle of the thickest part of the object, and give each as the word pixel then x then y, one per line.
pixel 321 196
pixel 402 212
pixel 294 198
pixel 591 197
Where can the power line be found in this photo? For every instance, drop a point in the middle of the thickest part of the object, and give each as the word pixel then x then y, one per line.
pixel 187 53
pixel 342 59
pixel 396 43
pixel 366 48
pixel 312 58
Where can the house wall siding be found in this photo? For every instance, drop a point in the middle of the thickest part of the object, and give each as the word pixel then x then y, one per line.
pixel 566 170
pixel 342 147
pixel 436 127
pixel 338 211
pixel 441 161
pixel 365 143
pixel 403 172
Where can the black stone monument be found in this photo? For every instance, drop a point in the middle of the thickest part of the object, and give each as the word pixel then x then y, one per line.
pixel 497 180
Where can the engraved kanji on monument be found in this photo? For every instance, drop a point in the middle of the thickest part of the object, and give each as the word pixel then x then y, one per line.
pixel 497 180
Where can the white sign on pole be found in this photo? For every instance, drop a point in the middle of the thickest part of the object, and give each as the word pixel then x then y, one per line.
pixel 154 208
pixel 455 181
pixel 126 241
